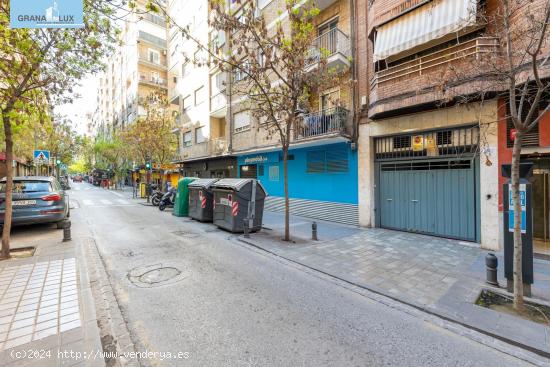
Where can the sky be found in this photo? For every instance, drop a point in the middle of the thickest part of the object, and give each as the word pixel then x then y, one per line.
pixel 86 102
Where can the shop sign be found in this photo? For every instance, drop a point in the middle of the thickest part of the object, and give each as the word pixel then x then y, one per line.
pixel 256 159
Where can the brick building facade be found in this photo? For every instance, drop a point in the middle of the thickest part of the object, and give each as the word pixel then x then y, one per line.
pixel 420 65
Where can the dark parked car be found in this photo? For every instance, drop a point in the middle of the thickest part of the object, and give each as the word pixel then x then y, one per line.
pixel 36 199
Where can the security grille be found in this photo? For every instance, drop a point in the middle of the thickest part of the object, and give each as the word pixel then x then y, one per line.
pixel 427 165
pixel 455 142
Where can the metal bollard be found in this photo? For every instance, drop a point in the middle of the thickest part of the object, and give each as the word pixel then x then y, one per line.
pixel 246 229
pixel 67 231
pixel 491 263
pixel 314 231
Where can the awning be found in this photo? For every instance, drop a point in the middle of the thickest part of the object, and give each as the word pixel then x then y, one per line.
pixel 428 22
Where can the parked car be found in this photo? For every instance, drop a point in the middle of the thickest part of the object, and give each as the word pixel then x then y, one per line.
pixel 36 199
pixel 77 178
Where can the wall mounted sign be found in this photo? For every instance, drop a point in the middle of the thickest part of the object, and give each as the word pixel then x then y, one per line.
pixel 46 14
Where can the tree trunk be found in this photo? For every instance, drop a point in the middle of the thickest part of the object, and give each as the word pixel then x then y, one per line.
pixel 9 185
pixel 287 203
pixel 518 272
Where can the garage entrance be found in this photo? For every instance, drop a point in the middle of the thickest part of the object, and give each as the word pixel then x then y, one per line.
pixel 429 188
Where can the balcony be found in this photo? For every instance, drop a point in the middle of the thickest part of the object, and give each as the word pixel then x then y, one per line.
pixel 209 148
pixel 174 95
pixel 149 61
pixel 335 47
pixel 328 122
pixel 152 81
pixel 453 63
pixel 218 105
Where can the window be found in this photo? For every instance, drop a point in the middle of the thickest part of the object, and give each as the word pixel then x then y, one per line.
pixel 154 56
pixel 329 99
pixel 240 73
pixel 263 3
pixel 273 173
pixel 155 76
pixel 186 103
pixel 327 161
pixel 187 137
pixel 199 96
pixel 401 142
pixel 218 83
pixel 261 170
pixel 199 135
pixel 241 121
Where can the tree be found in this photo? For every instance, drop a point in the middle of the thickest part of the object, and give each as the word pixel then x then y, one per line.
pixel 520 73
pixel 276 70
pixel 38 68
pixel 110 155
pixel 151 138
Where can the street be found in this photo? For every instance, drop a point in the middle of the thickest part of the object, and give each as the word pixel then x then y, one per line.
pixel 228 304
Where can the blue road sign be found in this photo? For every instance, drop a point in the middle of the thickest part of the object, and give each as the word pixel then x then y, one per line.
pixel 42 156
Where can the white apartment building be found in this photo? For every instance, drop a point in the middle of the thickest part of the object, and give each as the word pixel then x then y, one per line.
pixel 199 92
pixel 136 69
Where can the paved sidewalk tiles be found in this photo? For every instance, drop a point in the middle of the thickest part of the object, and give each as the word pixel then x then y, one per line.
pixel 37 300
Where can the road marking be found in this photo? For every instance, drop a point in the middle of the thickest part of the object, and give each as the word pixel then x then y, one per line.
pixel 117 194
pixel 106 202
pixel 87 202
pixel 122 201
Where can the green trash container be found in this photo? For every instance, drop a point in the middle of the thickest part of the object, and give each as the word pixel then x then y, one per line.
pixel 181 206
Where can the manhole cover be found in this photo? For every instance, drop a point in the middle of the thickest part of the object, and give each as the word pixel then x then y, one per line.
pixel 159 275
pixel 155 275
pixel 186 234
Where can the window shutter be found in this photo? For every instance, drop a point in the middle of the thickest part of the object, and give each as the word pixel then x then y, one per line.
pixel 316 161
pixel 337 160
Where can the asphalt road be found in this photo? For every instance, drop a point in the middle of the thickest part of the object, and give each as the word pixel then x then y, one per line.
pixel 226 304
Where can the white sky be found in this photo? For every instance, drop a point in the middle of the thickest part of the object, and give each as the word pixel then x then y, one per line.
pixel 76 111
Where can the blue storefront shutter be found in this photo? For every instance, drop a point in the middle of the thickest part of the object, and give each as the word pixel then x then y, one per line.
pixel 316 161
pixel 337 160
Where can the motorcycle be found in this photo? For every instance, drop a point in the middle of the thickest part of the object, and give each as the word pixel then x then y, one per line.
pixel 156 196
pixel 168 199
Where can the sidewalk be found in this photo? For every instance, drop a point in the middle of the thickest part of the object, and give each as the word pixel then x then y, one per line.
pixel 46 307
pixel 440 276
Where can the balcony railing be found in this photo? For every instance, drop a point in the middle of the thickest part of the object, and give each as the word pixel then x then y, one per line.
pixel 143 78
pixel 143 57
pixel 326 122
pixel 218 102
pixel 328 44
pixel 208 148
pixel 423 65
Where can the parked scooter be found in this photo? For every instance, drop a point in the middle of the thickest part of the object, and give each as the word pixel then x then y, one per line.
pixel 156 196
pixel 168 199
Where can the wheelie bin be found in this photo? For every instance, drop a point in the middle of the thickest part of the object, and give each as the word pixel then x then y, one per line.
pixel 181 206
pixel 201 199
pixel 237 200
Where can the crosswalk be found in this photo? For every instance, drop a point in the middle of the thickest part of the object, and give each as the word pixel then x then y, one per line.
pixel 80 187
pixel 101 202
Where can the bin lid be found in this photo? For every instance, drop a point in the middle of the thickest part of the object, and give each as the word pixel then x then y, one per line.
pixel 204 183
pixel 235 183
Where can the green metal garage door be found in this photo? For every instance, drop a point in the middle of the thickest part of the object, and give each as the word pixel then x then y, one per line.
pixel 435 197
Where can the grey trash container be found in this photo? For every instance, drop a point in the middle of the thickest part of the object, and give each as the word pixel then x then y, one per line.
pixel 201 199
pixel 234 199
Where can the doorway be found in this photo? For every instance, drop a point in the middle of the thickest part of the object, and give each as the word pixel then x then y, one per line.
pixel 541 207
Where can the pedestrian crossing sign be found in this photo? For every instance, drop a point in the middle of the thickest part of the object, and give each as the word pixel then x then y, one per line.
pixel 42 156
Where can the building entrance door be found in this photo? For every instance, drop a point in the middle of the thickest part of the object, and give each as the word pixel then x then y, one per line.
pixel 541 208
